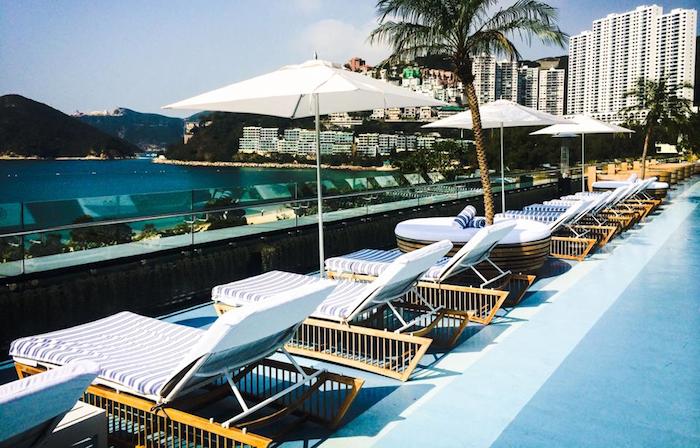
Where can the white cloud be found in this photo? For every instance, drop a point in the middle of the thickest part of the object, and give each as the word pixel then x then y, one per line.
pixel 338 41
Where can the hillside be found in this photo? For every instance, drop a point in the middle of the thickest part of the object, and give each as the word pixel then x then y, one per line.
pixel 29 128
pixel 143 130
pixel 219 140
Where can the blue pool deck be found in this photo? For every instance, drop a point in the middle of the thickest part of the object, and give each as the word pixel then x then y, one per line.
pixel 600 353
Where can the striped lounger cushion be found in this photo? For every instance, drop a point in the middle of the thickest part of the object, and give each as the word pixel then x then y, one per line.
pixel 374 262
pixel 137 352
pixel 340 304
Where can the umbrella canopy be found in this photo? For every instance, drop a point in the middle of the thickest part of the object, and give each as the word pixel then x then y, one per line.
pixel 582 125
pixel 313 88
pixel 499 114
pixel 288 92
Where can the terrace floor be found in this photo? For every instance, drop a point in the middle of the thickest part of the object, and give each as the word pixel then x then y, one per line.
pixel 600 353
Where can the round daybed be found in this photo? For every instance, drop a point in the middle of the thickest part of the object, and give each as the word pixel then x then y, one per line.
pixel 656 189
pixel 523 250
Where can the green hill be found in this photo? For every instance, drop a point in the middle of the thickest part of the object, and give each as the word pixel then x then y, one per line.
pixel 29 128
pixel 142 129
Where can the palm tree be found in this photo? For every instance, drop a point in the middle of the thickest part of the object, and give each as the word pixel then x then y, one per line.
pixel 457 31
pixel 663 106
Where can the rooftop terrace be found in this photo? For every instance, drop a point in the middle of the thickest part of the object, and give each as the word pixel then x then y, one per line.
pixel 602 352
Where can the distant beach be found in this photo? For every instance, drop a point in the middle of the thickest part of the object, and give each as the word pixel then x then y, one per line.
pixel 273 165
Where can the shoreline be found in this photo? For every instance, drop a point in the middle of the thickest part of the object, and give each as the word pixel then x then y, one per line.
pixel 210 164
pixel 6 157
pixel 272 165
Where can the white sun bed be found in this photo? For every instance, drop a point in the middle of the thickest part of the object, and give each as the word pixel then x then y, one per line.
pixel 30 408
pixel 350 310
pixel 156 362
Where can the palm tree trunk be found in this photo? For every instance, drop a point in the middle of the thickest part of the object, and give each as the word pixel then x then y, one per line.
pixel 473 103
pixel 647 141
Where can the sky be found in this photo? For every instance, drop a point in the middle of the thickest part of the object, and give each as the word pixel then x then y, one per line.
pixel 99 54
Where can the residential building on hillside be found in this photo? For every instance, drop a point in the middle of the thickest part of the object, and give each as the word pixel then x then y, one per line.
pixel 551 91
pixel 484 69
pixel 607 61
pixel 528 86
pixel 506 82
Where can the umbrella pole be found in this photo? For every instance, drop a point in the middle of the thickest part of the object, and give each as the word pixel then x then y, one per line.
pixel 319 194
pixel 583 163
pixel 503 182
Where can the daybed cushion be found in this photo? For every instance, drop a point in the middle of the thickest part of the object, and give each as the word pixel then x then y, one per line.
pixel 375 261
pixel 339 304
pixel 434 229
pixel 137 352
pixel 612 184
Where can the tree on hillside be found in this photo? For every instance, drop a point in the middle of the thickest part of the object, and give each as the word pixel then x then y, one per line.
pixel 664 108
pixel 459 30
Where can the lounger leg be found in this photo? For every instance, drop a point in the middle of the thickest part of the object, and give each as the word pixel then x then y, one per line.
pixel 247 411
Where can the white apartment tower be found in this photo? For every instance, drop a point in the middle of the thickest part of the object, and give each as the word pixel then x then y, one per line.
pixel 607 61
pixel 507 80
pixel 528 86
pixel 551 91
pixel 484 69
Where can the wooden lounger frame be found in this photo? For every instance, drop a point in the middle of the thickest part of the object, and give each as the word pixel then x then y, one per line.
pixel 368 342
pixel 136 421
pixel 571 248
pixel 481 304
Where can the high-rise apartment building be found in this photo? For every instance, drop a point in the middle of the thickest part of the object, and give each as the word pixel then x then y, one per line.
pixel 606 62
pixel 551 91
pixel 528 86
pixel 484 69
pixel 506 82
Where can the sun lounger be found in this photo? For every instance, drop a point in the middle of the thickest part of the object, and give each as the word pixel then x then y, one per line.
pixel 363 325
pixel 30 408
pixel 441 285
pixel 159 381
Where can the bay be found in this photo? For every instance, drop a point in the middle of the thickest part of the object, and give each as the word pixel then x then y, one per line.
pixel 48 180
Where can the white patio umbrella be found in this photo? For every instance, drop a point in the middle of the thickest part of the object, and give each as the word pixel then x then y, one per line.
pixel 313 88
pixel 499 114
pixel 582 125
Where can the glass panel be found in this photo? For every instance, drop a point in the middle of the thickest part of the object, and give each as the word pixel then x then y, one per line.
pixel 386 181
pixel 52 250
pixel 436 177
pixel 10 217
pixel 10 256
pixel 415 179
pixel 100 208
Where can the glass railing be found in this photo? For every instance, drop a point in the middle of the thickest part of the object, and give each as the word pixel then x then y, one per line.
pixel 41 236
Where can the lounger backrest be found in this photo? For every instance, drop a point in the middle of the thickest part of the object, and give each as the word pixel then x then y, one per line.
pixel 569 214
pixel 400 276
pixel 28 407
pixel 249 333
pixel 591 207
pixel 477 249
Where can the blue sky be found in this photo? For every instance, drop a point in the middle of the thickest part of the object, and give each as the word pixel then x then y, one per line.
pixel 95 55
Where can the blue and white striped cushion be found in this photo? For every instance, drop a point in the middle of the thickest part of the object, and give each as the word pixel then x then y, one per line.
pixel 375 261
pixel 546 207
pixel 464 217
pixel 140 353
pixel 478 222
pixel 340 304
